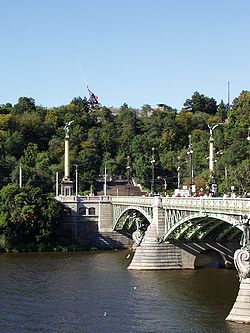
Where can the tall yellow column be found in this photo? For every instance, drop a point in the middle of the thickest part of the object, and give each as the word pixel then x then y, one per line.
pixel 66 157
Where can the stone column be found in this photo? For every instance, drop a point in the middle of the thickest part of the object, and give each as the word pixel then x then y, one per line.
pixel 67 183
pixel 66 157
pixel 211 156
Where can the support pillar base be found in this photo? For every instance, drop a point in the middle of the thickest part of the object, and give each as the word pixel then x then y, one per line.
pixel 240 312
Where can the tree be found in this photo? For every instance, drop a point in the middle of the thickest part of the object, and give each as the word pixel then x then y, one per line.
pixel 28 218
pixel 5 121
pixel 201 103
pixel 238 118
pixel 13 143
pixel 24 104
pixel 6 108
pixel 127 127
pixel 81 103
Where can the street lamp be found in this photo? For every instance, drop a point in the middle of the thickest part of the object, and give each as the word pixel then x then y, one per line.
pixel 76 165
pixel 211 149
pixel 20 176
pixel 217 154
pixel 179 172
pixel 128 175
pixel 190 154
pixel 105 179
pixel 153 171
pixel 57 184
pixel 165 184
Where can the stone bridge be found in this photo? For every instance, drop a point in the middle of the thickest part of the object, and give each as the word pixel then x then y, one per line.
pixel 175 216
pixel 169 232
pixel 176 232
pixel 181 232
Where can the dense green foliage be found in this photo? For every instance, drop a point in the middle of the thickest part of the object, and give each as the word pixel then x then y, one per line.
pixel 29 219
pixel 33 136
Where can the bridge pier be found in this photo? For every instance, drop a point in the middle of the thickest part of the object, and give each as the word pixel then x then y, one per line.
pixel 240 311
pixel 153 253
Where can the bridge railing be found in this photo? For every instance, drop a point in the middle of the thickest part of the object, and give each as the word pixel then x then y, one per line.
pixel 237 206
pixel 230 205
pixel 140 201
pixel 83 198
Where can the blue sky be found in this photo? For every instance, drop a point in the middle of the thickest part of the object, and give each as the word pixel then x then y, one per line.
pixel 133 51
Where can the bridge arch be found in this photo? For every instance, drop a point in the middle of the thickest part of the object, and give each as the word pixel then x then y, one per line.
pixel 129 211
pixel 201 224
pixel 210 258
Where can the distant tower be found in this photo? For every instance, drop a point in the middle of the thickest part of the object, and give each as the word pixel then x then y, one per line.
pixel 66 184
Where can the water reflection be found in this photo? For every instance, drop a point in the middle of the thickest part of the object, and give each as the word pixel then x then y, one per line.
pixel 95 293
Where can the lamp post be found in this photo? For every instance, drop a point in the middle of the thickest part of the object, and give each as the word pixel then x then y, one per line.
pixel 179 172
pixel 190 154
pixel 76 165
pixel 105 180
pixel 128 175
pixel 57 183
pixel 211 149
pixel 153 172
pixel 165 184
pixel 216 155
pixel 212 159
pixel 20 176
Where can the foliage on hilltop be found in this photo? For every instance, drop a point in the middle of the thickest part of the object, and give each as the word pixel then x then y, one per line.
pixel 33 136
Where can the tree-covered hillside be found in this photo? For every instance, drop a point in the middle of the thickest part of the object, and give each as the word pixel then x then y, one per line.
pixel 33 136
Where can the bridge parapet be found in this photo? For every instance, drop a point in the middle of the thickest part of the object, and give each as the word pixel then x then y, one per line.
pixel 133 201
pixel 229 205
pixel 236 206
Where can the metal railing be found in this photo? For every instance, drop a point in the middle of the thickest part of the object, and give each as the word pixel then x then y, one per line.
pixel 223 205
pixel 217 205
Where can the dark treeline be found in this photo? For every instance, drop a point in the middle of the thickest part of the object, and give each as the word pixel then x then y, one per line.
pixel 33 136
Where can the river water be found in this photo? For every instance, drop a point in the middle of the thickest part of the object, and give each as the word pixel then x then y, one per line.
pixel 93 292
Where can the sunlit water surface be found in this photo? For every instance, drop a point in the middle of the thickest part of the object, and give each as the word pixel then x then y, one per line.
pixel 93 292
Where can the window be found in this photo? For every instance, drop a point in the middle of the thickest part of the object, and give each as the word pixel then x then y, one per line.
pixel 82 210
pixel 91 211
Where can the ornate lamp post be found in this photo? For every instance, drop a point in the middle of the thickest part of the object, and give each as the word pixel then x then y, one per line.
pixel 128 175
pixel 165 184
pixel 212 159
pixel 179 172
pixel 20 176
pixel 153 172
pixel 211 149
pixel 190 154
pixel 217 155
pixel 76 165
pixel 105 180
